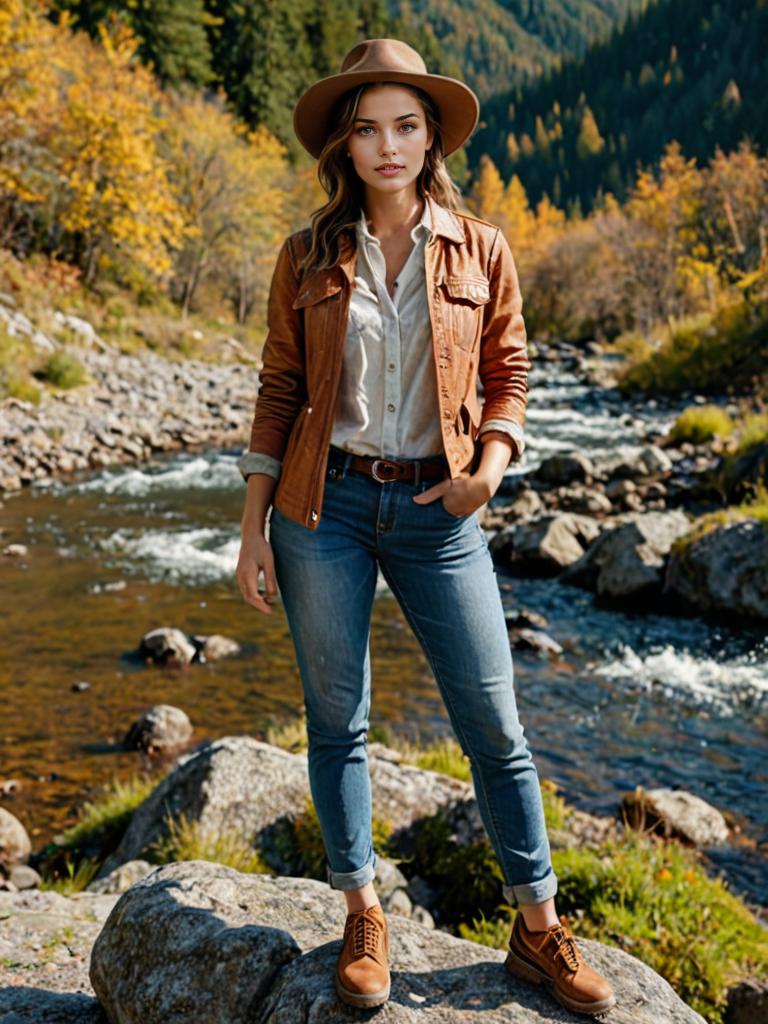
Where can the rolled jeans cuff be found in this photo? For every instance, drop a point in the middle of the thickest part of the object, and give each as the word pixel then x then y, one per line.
pixel 531 892
pixel 352 879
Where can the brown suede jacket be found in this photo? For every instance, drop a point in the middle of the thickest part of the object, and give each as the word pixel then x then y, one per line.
pixel 475 308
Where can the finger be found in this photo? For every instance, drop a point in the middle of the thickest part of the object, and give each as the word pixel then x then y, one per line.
pixel 433 492
pixel 257 601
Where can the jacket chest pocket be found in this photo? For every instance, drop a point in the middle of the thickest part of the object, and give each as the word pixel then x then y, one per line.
pixel 464 298
pixel 318 300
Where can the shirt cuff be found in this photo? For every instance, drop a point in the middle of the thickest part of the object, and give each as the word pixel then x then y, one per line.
pixel 257 462
pixel 507 427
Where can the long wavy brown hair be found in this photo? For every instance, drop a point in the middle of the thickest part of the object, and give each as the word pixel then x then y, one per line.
pixel 345 188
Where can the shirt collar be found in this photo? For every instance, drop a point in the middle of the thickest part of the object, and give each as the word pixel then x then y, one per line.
pixel 423 227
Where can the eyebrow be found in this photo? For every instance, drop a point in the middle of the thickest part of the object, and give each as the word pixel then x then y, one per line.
pixel 372 120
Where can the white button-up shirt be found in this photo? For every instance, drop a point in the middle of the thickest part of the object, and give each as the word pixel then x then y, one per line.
pixel 388 371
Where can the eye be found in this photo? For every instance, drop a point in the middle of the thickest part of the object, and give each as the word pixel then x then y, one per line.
pixel 408 124
pixel 362 128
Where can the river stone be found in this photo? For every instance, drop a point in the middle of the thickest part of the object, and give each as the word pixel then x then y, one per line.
pixel 630 557
pixel 565 468
pixel 654 459
pixel 547 544
pixel 121 878
pixel 161 728
pixel 676 812
pixel 15 845
pixel 747 1003
pixel 241 784
pixel 167 644
pixel 199 938
pixel 725 569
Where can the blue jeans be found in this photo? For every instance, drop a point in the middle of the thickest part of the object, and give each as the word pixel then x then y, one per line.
pixel 439 569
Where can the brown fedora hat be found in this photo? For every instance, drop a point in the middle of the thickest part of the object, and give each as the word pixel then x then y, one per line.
pixel 380 60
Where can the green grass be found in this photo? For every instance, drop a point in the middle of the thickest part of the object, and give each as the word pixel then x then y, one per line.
pixel 70 863
pixel 112 811
pixel 700 423
pixel 187 840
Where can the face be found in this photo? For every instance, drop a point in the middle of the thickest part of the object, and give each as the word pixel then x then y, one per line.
pixel 390 128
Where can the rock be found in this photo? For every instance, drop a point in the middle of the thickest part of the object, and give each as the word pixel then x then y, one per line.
pixel 747 1003
pixel 547 544
pixel 723 570
pixel 271 944
pixel 253 788
pixel 167 645
pixel 620 488
pixel 24 877
pixel 215 646
pixel 16 550
pixel 527 505
pixel 162 728
pixel 15 846
pixel 565 468
pixel 536 640
pixel 54 987
pixel 579 498
pixel 629 559
pixel 121 878
pixel 654 460
pixel 675 812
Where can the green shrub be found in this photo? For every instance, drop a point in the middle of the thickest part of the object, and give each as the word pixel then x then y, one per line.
pixel 730 350
pixel 62 370
pixel 700 423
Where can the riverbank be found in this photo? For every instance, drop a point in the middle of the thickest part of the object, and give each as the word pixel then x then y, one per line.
pixel 244 804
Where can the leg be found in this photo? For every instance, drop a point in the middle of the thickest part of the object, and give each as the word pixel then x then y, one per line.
pixel 327 581
pixel 440 570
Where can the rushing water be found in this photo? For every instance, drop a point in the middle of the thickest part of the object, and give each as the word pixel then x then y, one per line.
pixel 635 699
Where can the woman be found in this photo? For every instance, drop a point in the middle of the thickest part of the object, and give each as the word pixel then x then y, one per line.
pixel 368 435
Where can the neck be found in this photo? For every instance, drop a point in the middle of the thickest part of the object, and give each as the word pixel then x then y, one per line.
pixel 388 213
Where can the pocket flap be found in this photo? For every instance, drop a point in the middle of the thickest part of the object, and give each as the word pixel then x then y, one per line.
pixel 475 290
pixel 318 286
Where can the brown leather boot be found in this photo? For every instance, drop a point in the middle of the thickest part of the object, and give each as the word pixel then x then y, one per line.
pixel 552 956
pixel 362 970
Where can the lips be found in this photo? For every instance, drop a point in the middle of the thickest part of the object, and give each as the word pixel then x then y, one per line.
pixel 389 167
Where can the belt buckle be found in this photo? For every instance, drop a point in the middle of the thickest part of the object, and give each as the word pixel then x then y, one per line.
pixel 384 462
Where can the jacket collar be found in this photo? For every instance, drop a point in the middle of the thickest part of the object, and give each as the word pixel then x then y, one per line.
pixel 443 222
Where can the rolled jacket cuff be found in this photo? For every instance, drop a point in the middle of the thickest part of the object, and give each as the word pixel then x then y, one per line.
pixel 258 462
pixel 514 430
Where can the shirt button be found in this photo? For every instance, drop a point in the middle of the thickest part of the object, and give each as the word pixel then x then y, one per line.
pixel 391 366
pixel 391 407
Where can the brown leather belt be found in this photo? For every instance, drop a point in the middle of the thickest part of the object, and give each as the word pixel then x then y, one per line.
pixel 384 470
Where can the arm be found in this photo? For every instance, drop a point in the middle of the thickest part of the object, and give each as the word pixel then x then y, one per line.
pixel 503 369
pixel 281 393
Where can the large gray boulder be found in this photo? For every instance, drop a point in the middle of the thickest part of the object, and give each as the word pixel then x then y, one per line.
pixel 630 558
pixel 239 784
pixel 724 569
pixel 195 941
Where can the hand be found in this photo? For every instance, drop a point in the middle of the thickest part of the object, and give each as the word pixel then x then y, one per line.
pixel 256 556
pixel 466 493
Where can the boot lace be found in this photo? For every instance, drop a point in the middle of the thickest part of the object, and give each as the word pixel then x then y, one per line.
pixel 566 948
pixel 365 935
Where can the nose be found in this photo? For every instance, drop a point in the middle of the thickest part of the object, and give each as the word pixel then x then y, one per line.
pixel 388 146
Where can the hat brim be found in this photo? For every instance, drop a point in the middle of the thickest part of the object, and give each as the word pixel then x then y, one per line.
pixel 457 104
